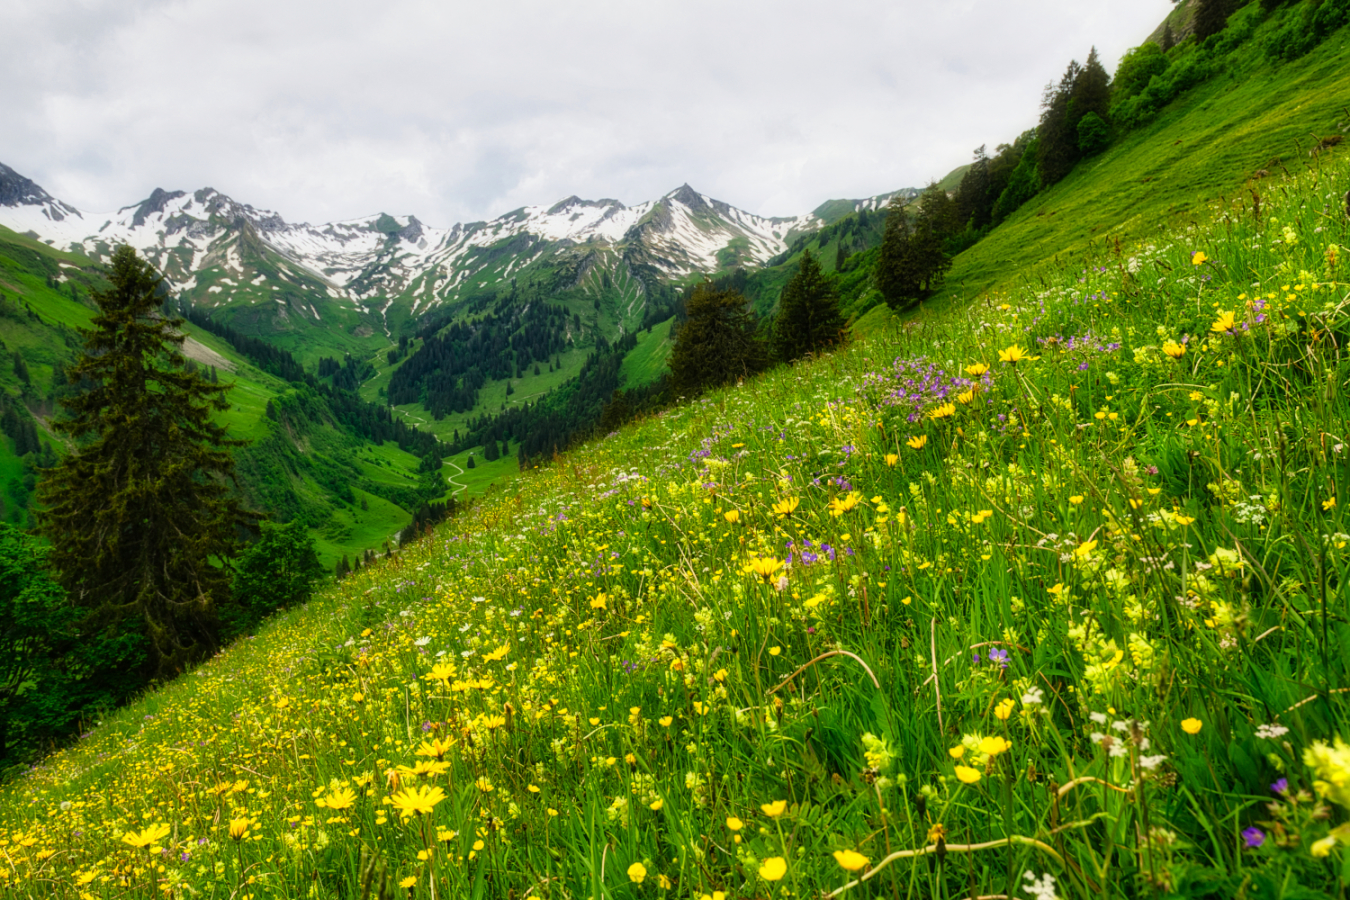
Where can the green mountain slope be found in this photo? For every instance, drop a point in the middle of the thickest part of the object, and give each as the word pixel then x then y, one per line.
pixel 1047 592
pixel 353 493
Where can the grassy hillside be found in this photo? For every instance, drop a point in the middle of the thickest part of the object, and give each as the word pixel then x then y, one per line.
pixel 1045 589
pixel 1223 139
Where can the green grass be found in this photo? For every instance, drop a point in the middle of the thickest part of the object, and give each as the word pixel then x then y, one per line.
pixel 469 483
pixel 646 362
pixel 1146 538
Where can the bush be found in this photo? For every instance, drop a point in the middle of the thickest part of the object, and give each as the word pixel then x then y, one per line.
pixel 1137 67
pixel 1093 134
pixel 276 572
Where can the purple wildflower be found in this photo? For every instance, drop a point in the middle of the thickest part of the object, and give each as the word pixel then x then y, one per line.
pixel 1254 837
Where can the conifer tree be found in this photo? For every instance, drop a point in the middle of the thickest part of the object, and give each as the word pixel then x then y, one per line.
pixel 21 368
pixel 808 313
pixel 1091 91
pixel 1057 133
pixel 717 343
pixel 1211 17
pixel 913 261
pixel 140 517
pixel 1169 40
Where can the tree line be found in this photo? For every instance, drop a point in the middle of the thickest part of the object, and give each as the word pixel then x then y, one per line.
pixel 454 362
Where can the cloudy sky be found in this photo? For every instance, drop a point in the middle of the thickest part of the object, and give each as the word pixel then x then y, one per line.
pixel 456 111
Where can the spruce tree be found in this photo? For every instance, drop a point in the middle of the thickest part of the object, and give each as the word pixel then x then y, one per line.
pixel 913 261
pixel 808 313
pixel 140 517
pixel 1091 91
pixel 717 343
pixel 1210 17
pixel 1057 133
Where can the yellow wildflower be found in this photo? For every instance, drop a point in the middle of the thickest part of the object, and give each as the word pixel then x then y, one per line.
pixel 773 868
pixel 850 860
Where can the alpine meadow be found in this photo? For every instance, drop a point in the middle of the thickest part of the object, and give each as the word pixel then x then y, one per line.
pixel 984 539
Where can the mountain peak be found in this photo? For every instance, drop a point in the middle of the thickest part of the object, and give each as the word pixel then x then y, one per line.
pixel 155 203
pixel 688 196
pixel 16 189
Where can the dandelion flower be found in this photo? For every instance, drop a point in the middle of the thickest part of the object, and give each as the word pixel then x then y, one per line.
pixel 773 868
pixel 145 838
pixel 1225 322
pixel 338 800
pixel 239 828
pixel 975 370
pixel 420 801
pixel 786 507
pixel 892 459
pixel 1173 349
pixel 1014 355
pixel 1198 258
pixel 918 443
pixel 732 515
pixel 942 411
pixel 846 503
pixel 436 747
pixel 407 883
pixel 765 567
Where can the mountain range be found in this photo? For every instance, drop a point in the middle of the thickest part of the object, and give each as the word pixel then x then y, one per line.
pixel 363 278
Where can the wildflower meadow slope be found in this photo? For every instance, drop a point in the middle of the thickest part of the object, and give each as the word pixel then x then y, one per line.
pixel 1041 597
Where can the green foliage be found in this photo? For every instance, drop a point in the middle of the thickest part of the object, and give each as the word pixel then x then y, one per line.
pixel 808 317
pixel 34 615
pixel 1057 133
pixel 1093 134
pixel 140 516
pixel 277 571
pixel 1023 184
pixel 1210 17
pixel 718 342
pixel 1305 29
pixel 1137 67
pixel 912 260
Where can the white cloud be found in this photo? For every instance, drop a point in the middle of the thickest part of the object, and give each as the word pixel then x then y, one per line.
pixel 457 111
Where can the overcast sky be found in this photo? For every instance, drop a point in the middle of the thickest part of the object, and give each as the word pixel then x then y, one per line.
pixel 457 111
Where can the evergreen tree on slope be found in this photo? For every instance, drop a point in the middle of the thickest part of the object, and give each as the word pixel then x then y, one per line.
pixel 808 313
pixel 717 343
pixel 140 518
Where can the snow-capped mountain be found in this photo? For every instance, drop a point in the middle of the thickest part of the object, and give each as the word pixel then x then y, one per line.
pixel 219 252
